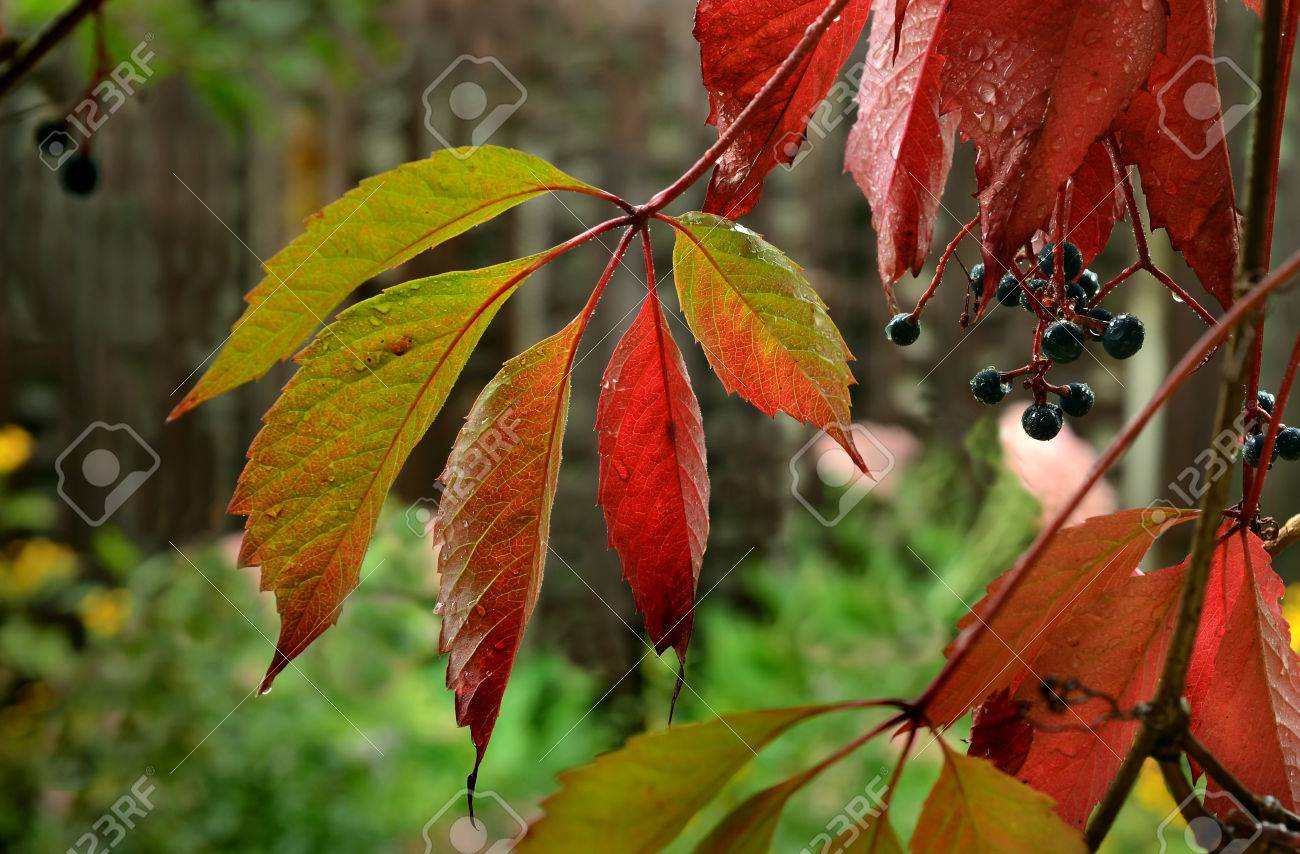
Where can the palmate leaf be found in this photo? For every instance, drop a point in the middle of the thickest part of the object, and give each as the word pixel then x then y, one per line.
pixel 975 807
pixel 491 531
pixel 639 798
pixel 654 486
pixel 742 42
pixel 388 219
pixel 1096 203
pixel 368 388
pixel 763 328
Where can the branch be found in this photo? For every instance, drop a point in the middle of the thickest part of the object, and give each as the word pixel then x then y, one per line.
pixel 1169 704
pixel 1274 426
pixel 1287 535
pixel 30 52
pixel 811 37
pixel 1264 809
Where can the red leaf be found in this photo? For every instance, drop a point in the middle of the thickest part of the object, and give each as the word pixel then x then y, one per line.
pixel 1245 691
pixel 742 42
pixel 1036 83
pixel 654 487
pixel 1000 733
pixel 1183 158
pixel 1114 643
pixel 1077 570
pixel 490 533
pixel 1096 203
pixel 900 149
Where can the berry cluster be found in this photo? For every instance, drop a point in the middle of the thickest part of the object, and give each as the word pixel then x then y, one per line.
pixel 1287 444
pixel 77 170
pixel 1064 302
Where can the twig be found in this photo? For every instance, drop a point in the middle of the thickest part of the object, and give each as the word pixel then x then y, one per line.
pixel 30 52
pixel 1251 504
pixel 1168 702
pixel 811 36
pixel 1263 809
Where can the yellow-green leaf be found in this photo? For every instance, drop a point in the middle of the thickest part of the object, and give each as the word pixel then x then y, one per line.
pixel 639 798
pixel 385 221
pixel 766 333
pixel 368 388
pixel 974 807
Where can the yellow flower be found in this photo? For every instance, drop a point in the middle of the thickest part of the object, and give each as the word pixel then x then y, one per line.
pixel 15 447
pixel 1291 611
pixel 38 562
pixel 1151 793
pixel 104 612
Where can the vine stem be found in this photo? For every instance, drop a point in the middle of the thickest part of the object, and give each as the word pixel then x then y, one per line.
pixel 32 51
pixel 1238 371
pixel 947 256
pixel 812 35
pixel 1251 504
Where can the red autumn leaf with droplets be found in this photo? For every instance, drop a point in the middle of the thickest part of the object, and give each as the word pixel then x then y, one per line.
pixel 1036 83
pixel 1245 684
pixel 1079 567
pixel 742 42
pixel 654 487
pixel 900 149
pixel 1114 642
pixel 1096 203
pixel 490 533
pixel 1174 133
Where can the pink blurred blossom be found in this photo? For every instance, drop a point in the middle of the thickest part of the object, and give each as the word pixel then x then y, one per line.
pixel 1051 471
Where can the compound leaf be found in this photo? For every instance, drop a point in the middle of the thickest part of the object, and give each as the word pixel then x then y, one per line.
pixel 388 219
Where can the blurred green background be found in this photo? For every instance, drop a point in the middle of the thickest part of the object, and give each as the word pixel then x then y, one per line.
pixel 132 649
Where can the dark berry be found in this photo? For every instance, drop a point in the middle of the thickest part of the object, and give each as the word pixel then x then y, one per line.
pixel 1008 291
pixel 1078 401
pixel 80 175
pixel 1123 337
pixel 1265 401
pixel 903 329
pixel 988 387
pixel 977 280
pixel 1075 293
pixel 1071 257
pixel 1062 341
pixel 1042 421
pixel 1288 443
pixel 1090 283
pixel 1101 314
pixel 1253 449
pixel 1031 293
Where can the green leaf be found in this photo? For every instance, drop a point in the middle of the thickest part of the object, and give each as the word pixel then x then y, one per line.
pixel 639 798
pixel 975 807
pixel 387 220
pixel 763 328
pixel 368 388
